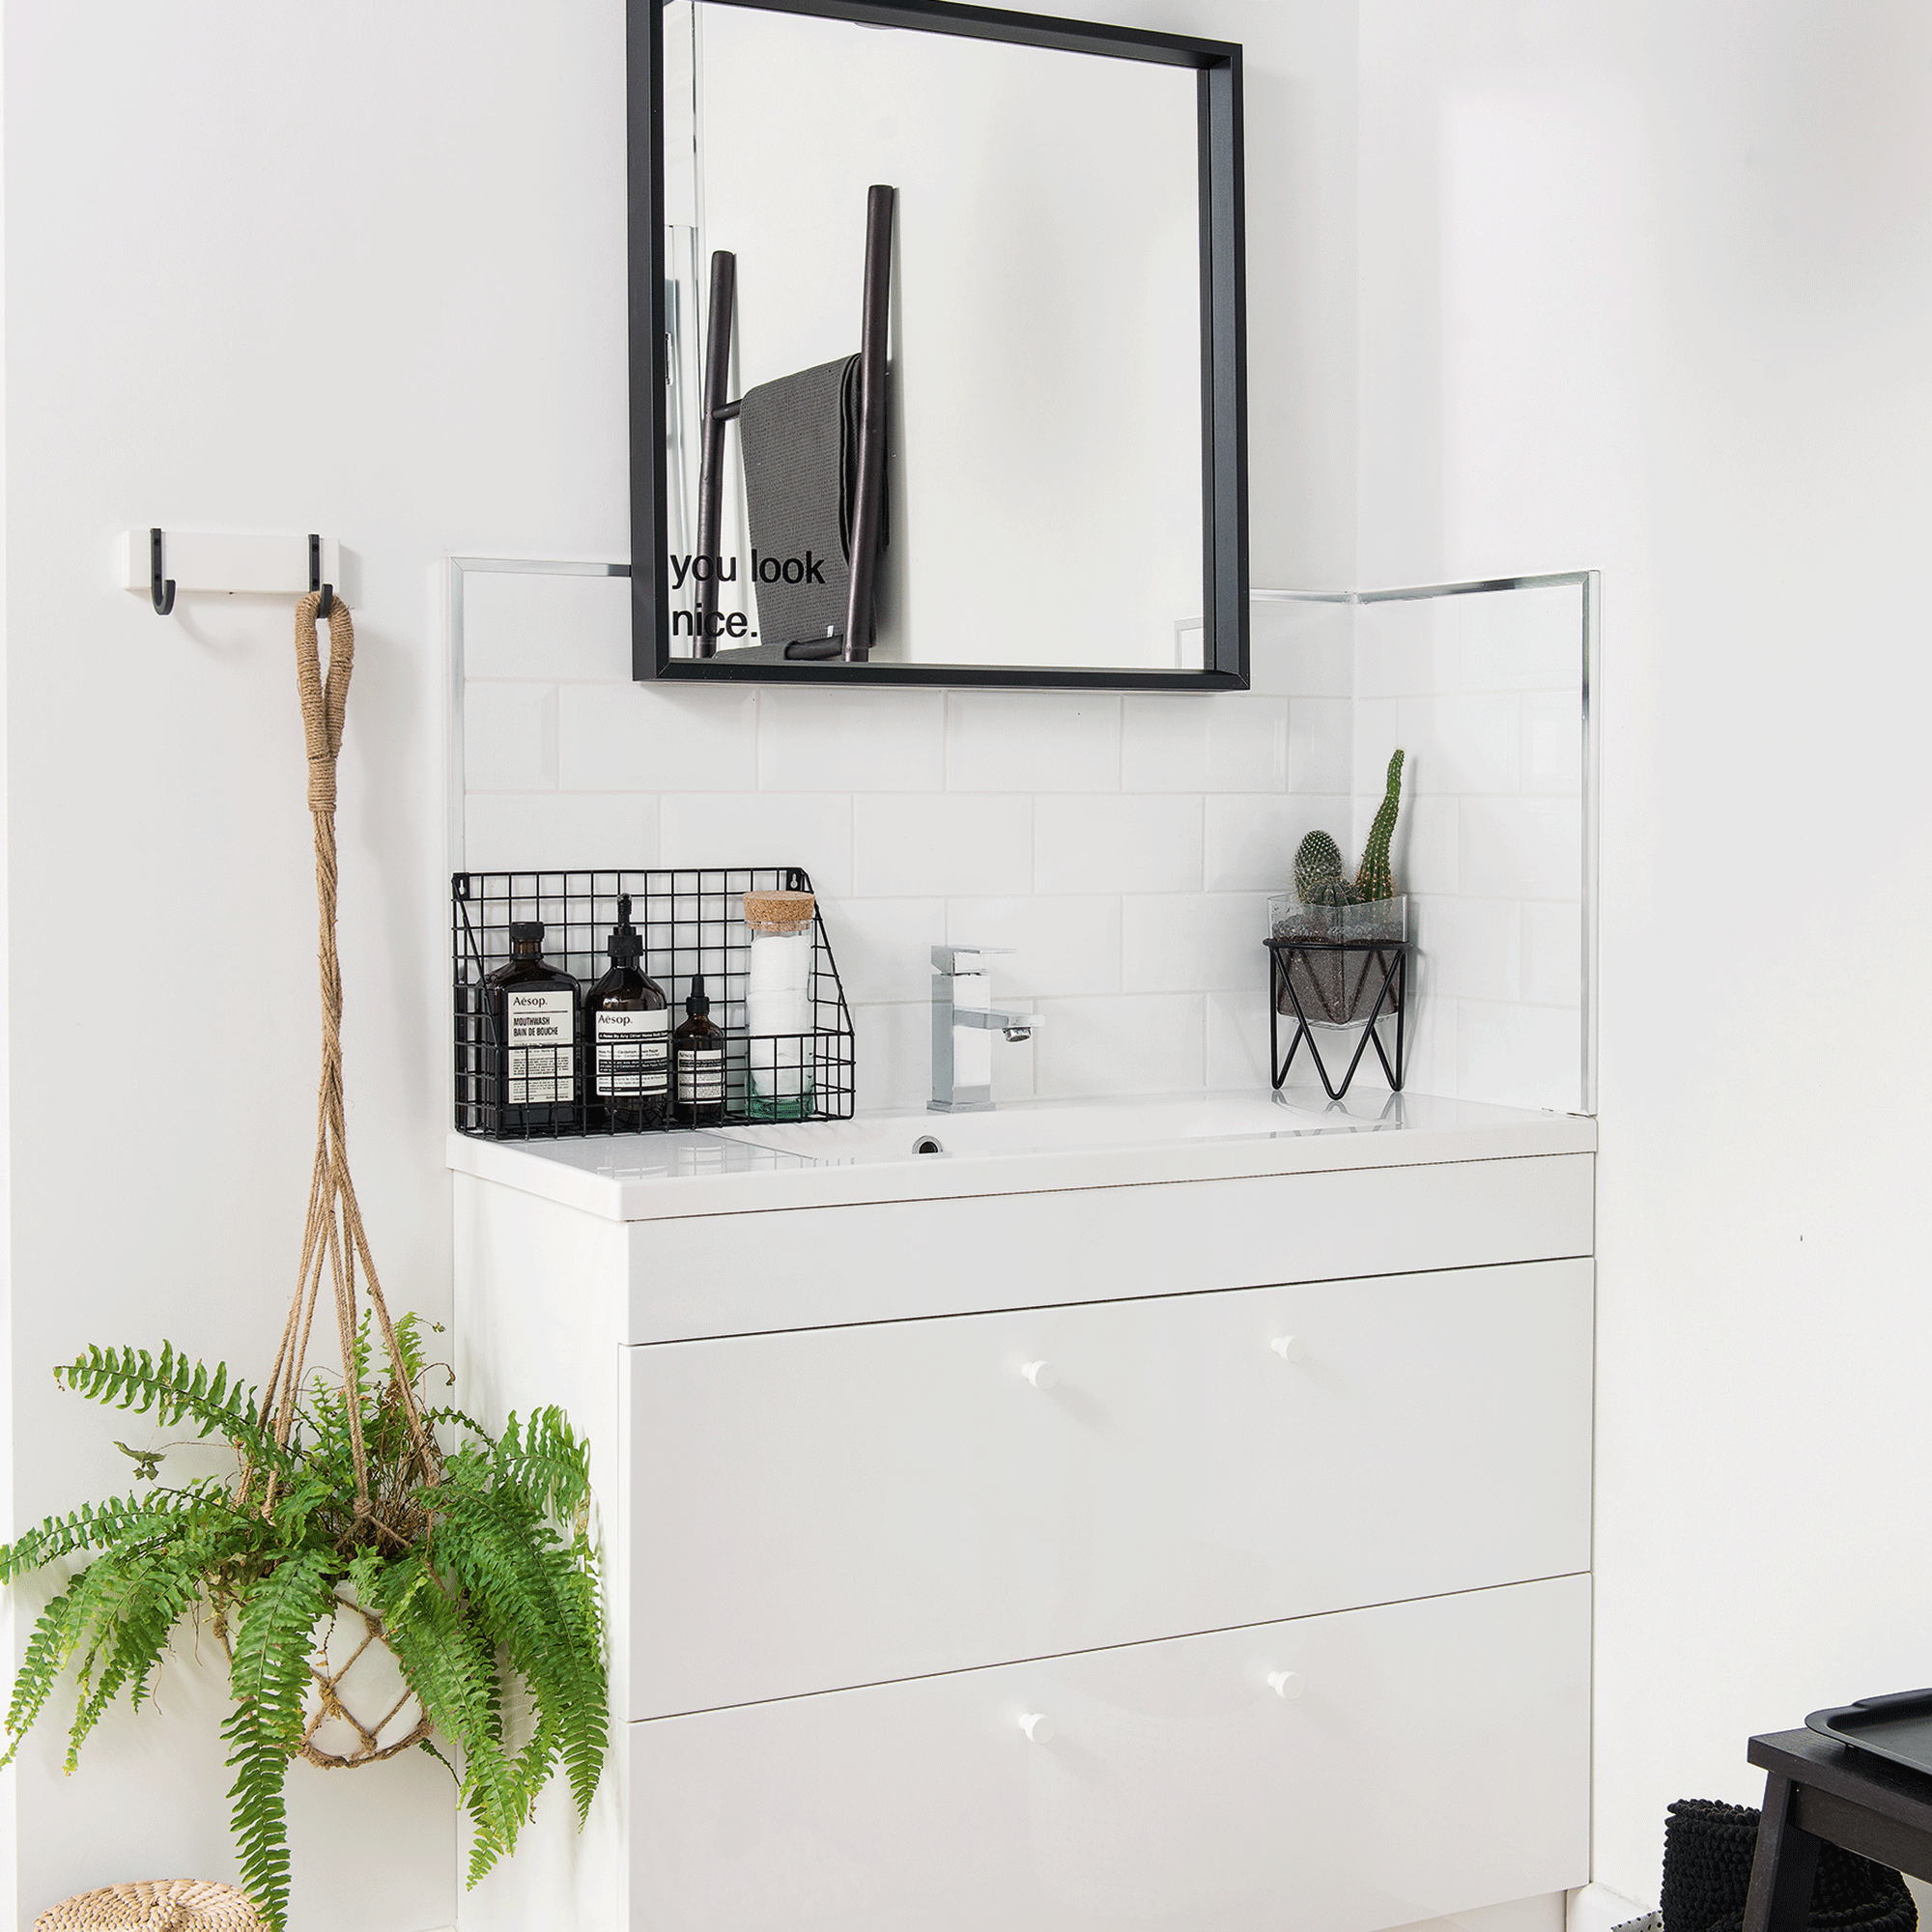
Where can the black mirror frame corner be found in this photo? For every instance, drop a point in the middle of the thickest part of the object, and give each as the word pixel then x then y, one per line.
pixel 1217 65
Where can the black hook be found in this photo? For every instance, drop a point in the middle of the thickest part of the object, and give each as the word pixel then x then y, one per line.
pixel 315 582
pixel 163 588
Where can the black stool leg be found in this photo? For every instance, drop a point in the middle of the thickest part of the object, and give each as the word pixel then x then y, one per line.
pixel 1782 1869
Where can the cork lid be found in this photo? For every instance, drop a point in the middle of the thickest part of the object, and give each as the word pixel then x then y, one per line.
pixel 779 912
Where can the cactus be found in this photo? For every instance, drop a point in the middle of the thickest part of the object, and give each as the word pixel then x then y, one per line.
pixel 1317 865
pixel 1373 878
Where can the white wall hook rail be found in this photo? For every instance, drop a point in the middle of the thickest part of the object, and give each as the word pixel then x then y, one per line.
pixel 161 562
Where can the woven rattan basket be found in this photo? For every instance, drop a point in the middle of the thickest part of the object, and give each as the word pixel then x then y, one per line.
pixel 168 1905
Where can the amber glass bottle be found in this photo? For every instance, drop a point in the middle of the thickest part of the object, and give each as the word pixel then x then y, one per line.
pixel 627 1035
pixel 697 1059
pixel 534 1016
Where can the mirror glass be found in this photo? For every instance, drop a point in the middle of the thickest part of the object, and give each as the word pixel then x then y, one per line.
pixel 1037 294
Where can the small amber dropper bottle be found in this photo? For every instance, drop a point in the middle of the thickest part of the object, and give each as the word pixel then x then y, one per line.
pixel 698 1062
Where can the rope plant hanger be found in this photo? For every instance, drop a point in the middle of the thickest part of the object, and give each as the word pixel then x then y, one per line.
pixel 334 1239
pixel 456 1577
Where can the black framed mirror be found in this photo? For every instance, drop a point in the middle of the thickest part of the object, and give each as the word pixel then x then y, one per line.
pixel 938 348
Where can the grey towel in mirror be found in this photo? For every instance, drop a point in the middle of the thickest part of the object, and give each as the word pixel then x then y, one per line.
pixel 799 437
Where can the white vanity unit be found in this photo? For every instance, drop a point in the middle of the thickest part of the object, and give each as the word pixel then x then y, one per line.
pixel 1170 1516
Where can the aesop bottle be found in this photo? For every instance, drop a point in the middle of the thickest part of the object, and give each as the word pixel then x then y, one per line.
pixel 627 1033
pixel 698 1056
pixel 534 1014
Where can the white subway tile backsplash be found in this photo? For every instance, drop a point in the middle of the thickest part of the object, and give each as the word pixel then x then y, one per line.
pixel 1196 941
pixel 1528 848
pixel 1523 640
pixel 1406 646
pixel 1376 739
pixel 883 946
pixel 1474 946
pixel 1428 838
pixel 892 1048
pixel 1060 946
pixel 519 625
pixel 1147 1043
pixel 1237 1040
pixel 1321 748
pixel 654 737
pixel 1015 1064
pixel 1429 1046
pixel 1251 842
pixel 509 737
pixel 760 828
pixel 1033 741
pixel 1301 649
pixel 507 832
pixel 1552 954
pixel 1456 743
pixel 1553 742
pixel 1225 741
pixel 1120 845
pixel 1519 1056
pixel 852 740
pixel 943 843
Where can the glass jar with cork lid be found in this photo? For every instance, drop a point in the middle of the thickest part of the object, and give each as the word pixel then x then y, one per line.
pixel 778 1013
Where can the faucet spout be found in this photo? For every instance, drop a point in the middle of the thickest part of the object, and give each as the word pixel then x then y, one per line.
pixel 995 1020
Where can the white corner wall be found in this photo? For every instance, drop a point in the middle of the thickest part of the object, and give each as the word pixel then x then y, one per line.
pixel 358 269
pixel 1649 288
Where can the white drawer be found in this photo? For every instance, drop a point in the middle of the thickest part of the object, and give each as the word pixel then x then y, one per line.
pixel 837 1507
pixel 733 1274
pixel 1436 1760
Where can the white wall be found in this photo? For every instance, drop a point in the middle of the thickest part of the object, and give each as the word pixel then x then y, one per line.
pixel 359 270
pixel 1649 288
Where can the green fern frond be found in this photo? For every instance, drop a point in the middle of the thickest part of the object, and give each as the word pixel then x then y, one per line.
pixel 124 1606
pixel 530 1592
pixel 173 1388
pixel 451 1663
pixel 410 1343
pixel 548 1465
pixel 120 1520
pixel 267 1675
pixel 437 1418
pixel 33 1684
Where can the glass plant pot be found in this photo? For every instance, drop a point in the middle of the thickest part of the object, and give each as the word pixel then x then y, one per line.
pixel 1336 959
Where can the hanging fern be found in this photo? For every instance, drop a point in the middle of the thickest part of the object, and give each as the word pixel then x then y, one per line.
pixel 481 1579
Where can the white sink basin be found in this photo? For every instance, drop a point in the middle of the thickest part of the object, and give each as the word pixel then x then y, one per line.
pixel 1048 1126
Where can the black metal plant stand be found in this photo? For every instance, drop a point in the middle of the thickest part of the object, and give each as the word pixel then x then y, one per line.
pixel 1390 957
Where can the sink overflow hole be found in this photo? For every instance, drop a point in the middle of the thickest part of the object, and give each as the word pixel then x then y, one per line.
pixel 928 1143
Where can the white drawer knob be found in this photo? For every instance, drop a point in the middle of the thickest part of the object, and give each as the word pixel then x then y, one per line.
pixel 1041 1375
pixel 1038 1727
pixel 1290 1347
pixel 1286 1683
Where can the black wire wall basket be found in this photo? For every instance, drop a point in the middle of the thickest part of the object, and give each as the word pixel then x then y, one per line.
pixel 693 924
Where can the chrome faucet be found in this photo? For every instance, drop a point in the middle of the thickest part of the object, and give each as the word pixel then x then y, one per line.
pixel 962 1023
